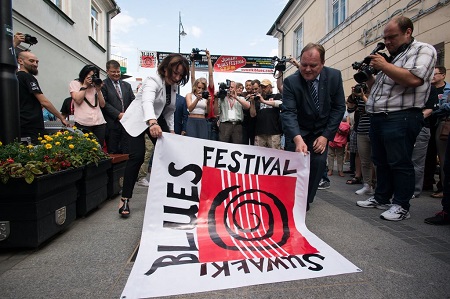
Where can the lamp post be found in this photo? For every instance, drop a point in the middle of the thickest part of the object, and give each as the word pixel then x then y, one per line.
pixel 180 34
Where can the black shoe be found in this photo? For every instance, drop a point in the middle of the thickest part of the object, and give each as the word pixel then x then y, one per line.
pixel 441 218
pixel 124 211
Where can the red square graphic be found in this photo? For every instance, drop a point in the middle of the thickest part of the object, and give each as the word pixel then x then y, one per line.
pixel 244 216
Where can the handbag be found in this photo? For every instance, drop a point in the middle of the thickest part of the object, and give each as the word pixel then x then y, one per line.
pixel 445 130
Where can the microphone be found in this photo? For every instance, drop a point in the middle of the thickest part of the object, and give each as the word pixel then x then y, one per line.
pixel 380 46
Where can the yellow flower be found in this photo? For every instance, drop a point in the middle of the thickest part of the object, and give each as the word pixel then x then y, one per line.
pixel 90 133
pixel 39 138
pixel 29 146
pixel 86 135
pixel 58 133
pixel 69 138
pixel 48 146
pixel 73 128
pixel 66 132
pixel 57 143
pixel 94 149
pixel 43 141
pixel 71 146
pixel 1 143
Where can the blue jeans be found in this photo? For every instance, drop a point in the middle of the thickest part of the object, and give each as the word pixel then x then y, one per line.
pixel 392 136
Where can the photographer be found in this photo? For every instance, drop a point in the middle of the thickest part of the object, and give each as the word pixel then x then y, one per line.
pixel 357 102
pixel 200 102
pixel 397 96
pixel 88 99
pixel 31 98
pixel 265 107
pixel 231 114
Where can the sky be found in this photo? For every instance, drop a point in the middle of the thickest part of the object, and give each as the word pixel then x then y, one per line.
pixel 232 27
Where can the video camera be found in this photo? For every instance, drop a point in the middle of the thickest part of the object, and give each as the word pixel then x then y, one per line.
pixel 280 63
pixel 223 89
pixel 31 40
pixel 195 54
pixel 360 87
pixel 365 71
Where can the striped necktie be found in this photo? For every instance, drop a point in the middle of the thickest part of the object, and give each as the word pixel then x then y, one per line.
pixel 314 94
pixel 119 93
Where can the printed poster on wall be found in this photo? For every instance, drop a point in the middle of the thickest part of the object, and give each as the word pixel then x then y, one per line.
pixel 221 215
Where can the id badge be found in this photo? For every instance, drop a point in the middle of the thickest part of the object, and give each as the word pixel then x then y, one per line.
pixel 231 115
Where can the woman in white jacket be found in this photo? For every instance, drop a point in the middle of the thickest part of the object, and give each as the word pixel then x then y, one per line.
pixel 151 113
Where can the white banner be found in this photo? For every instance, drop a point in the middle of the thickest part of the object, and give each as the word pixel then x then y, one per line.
pixel 223 215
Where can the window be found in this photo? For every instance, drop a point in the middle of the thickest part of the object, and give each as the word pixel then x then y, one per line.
pixel 95 23
pixel 440 50
pixel 339 12
pixel 298 41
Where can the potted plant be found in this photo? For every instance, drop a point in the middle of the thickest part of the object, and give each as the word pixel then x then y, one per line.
pixel 38 185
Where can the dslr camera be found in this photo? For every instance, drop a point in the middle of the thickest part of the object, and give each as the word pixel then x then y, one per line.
pixel 195 54
pixel 96 80
pixel 205 95
pixel 31 40
pixel 223 89
pixel 365 71
pixel 360 87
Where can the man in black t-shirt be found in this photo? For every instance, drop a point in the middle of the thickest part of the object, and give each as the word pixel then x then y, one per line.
pixel 31 98
pixel 268 126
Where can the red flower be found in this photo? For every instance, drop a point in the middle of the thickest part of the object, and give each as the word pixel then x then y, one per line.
pixel 10 160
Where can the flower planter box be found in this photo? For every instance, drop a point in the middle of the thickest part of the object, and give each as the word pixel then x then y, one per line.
pixel 92 188
pixel 32 213
pixel 116 173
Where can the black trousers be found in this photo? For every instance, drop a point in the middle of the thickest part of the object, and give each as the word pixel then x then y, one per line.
pixel 136 146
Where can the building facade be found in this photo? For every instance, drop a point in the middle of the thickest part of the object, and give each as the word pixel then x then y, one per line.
pixel 70 34
pixel 350 29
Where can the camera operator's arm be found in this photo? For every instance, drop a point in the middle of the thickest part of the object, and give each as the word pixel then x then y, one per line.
pixel 101 99
pixel 400 75
pixel 280 82
pixel 192 69
pixel 210 70
pixel 49 106
pixel 294 62
pixel 245 105
pixel 18 38
pixel 192 103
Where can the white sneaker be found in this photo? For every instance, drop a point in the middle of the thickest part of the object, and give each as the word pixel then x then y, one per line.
pixel 395 213
pixel 371 203
pixel 366 189
pixel 143 182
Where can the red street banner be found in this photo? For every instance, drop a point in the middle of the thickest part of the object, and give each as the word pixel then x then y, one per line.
pixel 226 216
pixel 229 64
pixel 148 59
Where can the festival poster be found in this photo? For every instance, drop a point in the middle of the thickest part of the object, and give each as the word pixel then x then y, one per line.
pixel 148 59
pixel 229 63
pixel 225 216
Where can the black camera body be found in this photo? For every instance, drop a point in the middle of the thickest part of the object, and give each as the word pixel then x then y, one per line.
pixel 195 54
pixel 280 65
pixel 31 40
pixel 223 89
pixel 96 80
pixel 205 95
pixel 365 71
pixel 360 87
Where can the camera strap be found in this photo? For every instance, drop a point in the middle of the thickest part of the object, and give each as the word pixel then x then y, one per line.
pixel 89 104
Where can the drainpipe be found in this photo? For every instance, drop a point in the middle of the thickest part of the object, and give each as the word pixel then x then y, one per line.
pixel 108 30
pixel 282 43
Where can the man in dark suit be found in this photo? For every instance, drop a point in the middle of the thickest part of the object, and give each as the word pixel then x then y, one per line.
pixel 314 105
pixel 118 96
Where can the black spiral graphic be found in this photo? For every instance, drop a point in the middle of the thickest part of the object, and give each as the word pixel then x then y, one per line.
pixel 270 233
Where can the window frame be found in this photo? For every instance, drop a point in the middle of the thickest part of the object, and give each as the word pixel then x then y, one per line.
pixel 297 49
pixel 95 33
pixel 338 14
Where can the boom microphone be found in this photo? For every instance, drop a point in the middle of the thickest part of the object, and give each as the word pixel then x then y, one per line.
pixel 380 46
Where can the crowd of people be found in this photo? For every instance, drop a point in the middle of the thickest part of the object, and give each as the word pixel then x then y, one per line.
pixel 389 126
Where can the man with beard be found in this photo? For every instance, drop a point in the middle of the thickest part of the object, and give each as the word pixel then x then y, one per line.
pixel 31 98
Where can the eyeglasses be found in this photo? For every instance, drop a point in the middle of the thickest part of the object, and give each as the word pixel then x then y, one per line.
pixel 438 74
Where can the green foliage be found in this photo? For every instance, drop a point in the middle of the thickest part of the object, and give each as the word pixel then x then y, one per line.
pixel 62 150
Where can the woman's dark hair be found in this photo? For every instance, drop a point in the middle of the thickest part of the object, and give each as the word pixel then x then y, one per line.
pixel 86 70
pixel 171 62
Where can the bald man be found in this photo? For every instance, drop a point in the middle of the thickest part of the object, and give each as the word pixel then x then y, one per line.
pixel 31 98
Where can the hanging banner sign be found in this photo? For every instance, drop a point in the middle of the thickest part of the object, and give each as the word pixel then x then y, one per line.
pixel 226 216
pixel 148 59
pixel 229 64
